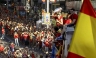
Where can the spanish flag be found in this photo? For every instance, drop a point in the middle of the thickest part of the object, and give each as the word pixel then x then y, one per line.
pixel 83 44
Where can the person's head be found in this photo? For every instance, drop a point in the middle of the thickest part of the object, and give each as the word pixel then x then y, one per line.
pixel 12 43
pixel 56 28
pixel 72 10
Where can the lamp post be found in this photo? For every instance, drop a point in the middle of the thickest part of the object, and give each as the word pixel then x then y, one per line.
pixel 47 8
pixel 48 3
pixel 27 7
pixel 48 12
pixel 7 3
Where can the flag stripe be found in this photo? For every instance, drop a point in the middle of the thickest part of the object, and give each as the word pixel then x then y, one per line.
pixel 88 9
pixel 83 43
pixel 83 35
pixel 73 55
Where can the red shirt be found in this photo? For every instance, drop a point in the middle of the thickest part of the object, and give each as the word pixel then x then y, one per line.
pixel 25 36
pixel 74 16
pixel 57 34
pixel 46 43
pixel 59 18
pixel 1 48
pixel 59 21
pixel 7 26
pixel 42 34
pixel 68 21
pixel 33 56
pixel 3 30
pixel 16 36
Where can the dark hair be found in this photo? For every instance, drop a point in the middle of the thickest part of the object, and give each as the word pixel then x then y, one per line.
pixel 56 28
pixel 55 17
pixel 72 9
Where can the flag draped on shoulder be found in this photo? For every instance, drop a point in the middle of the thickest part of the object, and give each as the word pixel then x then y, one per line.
pixel 83 43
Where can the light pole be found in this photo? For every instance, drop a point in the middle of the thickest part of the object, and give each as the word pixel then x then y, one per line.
pixel 27 7
pixel 48 12
pixel 47 9
pixel 7 3
pixel 48 6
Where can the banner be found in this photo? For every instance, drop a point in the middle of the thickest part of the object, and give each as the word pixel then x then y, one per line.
pixel 47 19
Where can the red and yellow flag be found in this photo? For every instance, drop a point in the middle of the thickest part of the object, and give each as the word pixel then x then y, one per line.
pixel 83 43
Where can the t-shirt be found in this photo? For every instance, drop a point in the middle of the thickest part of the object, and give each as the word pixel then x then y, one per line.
pixel 3 31
pixel 68 21
pixel 57 34
pixel 16 36
pixel 74 16
pixel 33 56
pixel 25 36
pixel 46 43
pixel 1 48
pixel 59 21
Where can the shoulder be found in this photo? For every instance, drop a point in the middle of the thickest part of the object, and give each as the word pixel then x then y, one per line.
pixel 75 14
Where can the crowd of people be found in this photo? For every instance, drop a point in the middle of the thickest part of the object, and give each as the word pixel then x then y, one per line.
pixel 7 52
pixel 25 33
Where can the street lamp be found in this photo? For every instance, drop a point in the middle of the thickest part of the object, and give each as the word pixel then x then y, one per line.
pixel 7 3
pixel 47 9
pixel 48 1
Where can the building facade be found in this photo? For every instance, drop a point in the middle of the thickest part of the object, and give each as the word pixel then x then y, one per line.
pixel 24 2
pixel 65 4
